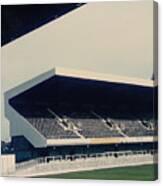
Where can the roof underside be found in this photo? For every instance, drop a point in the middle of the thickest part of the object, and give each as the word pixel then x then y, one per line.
pixel 76 91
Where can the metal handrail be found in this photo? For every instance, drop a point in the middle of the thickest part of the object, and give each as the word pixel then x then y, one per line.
pixel 48 159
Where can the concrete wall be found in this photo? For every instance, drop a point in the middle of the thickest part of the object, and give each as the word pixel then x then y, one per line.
pixel 20 126
pixel 7 164
pixel 9 116
pixel 63 166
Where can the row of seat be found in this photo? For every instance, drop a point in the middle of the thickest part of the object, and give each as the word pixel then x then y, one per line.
pixel 89 124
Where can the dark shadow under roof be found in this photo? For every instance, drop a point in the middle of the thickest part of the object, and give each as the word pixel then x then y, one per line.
pixel 76 91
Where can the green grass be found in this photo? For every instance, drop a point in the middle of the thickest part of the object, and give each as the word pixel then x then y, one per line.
pixel 143 173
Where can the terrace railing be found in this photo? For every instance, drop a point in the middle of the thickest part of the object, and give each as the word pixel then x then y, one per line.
pixel 52 159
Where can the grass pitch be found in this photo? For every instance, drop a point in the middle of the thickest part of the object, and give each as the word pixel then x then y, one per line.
pixel 142 173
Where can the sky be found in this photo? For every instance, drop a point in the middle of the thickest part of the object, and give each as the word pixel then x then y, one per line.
pixel 109 37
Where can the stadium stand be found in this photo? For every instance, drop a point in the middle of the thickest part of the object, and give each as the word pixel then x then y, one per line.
pixel 128 123
pixel 45 122
pixel 84 120
pixel 88 125
pixel 53 122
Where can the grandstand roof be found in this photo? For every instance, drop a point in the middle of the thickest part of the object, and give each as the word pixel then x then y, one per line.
pixel 88 75
pixel 104 77
pixel 60 88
